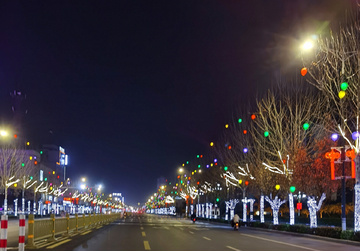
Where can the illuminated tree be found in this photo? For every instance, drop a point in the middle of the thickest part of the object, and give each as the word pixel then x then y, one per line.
pixel 14 165
pixel 292 120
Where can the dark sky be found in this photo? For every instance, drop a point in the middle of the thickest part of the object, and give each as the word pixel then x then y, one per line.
pixel 131 89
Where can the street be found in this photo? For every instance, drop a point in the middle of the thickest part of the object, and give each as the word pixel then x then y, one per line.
pixel 154 232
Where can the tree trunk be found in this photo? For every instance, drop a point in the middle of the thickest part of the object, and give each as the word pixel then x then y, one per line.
pixel 262 220
pixel 5 201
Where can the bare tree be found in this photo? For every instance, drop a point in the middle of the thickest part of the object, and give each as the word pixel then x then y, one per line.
pixel 14 165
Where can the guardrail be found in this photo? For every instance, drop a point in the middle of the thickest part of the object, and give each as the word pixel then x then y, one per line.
pixel 39 229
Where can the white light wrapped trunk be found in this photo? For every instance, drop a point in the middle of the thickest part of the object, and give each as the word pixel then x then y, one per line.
pixel 262 218
pixel 313 208
pixel 291 209
pixel 210 209
pixel 245 201
pixel 192 209
pixel 202 210
pixel 275 205
pixel 357 208
pixel 251 209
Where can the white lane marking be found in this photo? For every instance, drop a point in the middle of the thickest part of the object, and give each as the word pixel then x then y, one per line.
pixel 233 248
pixel 280 242
pixel 191 232
pixel 141 228
pixel 166 228
pixel 181 228
pixel 206 238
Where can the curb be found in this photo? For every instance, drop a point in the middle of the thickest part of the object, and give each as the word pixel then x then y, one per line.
pixel 340 241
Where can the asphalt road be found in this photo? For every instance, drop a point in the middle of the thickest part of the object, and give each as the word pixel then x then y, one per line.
pixel 152 232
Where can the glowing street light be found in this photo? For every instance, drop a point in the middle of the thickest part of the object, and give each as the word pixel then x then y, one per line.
pixel 99 188
pixel 3 133
pixel 82 186
pixel 83 179
pixel 181 170
pixel 307 45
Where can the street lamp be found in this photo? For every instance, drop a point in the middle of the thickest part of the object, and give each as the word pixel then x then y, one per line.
pixel 181 170
pixel 307 45
pixel 83 179
pixel 99 188
pixel 3 133
pixel 82 186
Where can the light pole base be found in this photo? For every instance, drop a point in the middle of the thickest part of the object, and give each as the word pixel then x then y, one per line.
pixel 343 224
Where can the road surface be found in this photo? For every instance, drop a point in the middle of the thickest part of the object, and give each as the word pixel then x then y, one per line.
pixel 152 232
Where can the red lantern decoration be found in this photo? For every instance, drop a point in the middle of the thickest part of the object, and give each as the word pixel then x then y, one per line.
pixel 178 176
pixel 303 71
pixel 201 156
pixel 229 147
pixel 253 116
pixel 299 206
pixel 245 132
pixel 284 161
pixel 198 183
pixel 246 183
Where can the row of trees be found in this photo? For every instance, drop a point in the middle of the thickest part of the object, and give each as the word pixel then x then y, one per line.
pixel 278 147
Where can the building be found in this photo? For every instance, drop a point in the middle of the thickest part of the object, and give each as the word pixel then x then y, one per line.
pixel 55 158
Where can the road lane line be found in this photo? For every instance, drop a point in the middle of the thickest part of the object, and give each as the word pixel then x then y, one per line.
pixel 181 228
pixel 233 248
pixel 86 232
pixel 141 228
pixel 206 238
pixel 166 228
pixel 146 245
pixel 143 234
pixel 280 242
pixel 191 232
pixel 58 244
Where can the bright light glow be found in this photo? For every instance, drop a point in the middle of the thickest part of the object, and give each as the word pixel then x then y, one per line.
pixel 82 186
pixel 306 126
pixel 3 133
pixel 211 143
pixel 181 170
pixel 162 187
pixel 83 179
pixel 307 45
pixel 245 150
pixel 266 134
pixel 226 126
pixel 277 187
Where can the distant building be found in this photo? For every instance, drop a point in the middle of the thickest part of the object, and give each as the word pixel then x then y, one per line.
pixel 55 158
pixel 161 181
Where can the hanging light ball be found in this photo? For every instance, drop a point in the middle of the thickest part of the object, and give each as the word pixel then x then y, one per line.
pixel 211 143
pixel 266 134
pixel 334 136
pixel 355 135
pixel 277 187
pixel 341 94
pixel 245 150
pixel 344 86
pixel 303 71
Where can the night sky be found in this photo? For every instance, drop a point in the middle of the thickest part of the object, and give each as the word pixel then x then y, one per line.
pixel 132 89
